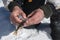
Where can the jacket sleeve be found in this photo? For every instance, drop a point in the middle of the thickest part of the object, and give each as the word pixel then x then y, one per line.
pixel 48 9
pixel 14 3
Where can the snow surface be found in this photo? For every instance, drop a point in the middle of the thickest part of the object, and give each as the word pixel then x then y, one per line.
pixel 7 29
pixel 1 3
pixel 27 34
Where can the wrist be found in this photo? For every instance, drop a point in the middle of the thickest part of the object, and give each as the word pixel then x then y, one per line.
pixel 16 8
pixel 41 10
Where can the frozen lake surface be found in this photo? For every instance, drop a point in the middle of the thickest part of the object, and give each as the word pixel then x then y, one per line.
pixel 6 29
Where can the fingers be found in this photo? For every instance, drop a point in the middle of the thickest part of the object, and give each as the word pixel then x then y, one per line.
pixel 14 21
pixel 23 15
pixel 28 22
pixel 30 15
pixel 14 18
pixel 35 19
pixel 18 20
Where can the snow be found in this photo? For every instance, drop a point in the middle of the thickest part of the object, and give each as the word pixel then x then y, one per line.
pixel 1 4
pixel 25 34
pixel 7 29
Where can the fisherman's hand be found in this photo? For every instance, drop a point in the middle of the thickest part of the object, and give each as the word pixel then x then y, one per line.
pixel 14 15
pixel 36 17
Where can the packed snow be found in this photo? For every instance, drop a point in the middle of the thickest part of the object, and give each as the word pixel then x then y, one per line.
pixel 27 34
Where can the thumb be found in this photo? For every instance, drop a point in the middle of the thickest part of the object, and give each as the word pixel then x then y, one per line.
pixel 23 15
pixel 30 15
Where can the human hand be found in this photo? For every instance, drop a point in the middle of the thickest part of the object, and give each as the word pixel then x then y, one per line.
pixel 14 15
pixel 35 17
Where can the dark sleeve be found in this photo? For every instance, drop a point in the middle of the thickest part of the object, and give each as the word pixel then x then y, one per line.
pixel 14 3
pixel 48 9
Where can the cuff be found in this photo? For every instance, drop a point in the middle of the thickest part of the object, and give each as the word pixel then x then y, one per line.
pixel 48 10
pixel 12 5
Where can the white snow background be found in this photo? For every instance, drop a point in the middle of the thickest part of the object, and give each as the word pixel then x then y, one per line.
pixel 6 28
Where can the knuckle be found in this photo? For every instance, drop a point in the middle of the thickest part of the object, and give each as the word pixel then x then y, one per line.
pixel 18 21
